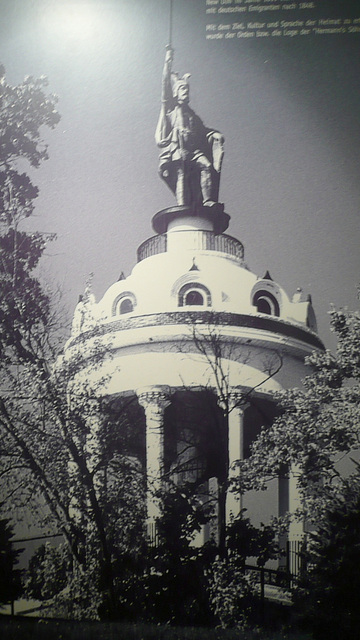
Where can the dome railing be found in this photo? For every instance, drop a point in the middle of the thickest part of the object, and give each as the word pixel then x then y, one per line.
pixel 200 240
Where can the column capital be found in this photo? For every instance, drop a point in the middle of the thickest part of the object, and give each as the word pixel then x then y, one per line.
pixel 236 400
pixel 154 399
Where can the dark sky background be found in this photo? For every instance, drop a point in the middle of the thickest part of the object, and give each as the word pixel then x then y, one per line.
pixel 289 110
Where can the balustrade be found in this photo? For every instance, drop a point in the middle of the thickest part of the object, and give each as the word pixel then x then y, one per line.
pixel 197 240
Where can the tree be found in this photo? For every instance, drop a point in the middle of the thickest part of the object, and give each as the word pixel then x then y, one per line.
pixel 328 595
pixel 46 575
pixel 233 593
pixel 175 565
pixel 10 578
pixel 24 306
pixel 318 426
pixel 51 418
pixel 214 590
pixel 316 433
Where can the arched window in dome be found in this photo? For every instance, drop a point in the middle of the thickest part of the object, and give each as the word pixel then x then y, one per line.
pixel 265 302
pixel 124 303
pixel 194 294
pixel 193 297
pixel 126 306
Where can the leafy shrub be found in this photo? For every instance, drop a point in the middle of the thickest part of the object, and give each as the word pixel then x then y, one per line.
pixel 47 572
pixel 10 578
pixel 330 591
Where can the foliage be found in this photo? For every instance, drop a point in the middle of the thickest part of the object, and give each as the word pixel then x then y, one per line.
pixel 212 590
pixel 317 435
pixel 233 591
pixel 24 110
pixel 329 594
pixel 46 574
pixel 10 578
pixel 247 541
pixel 166 583
pixel 51 418
pixel 182 516
pixel 318 426
pixel 177 566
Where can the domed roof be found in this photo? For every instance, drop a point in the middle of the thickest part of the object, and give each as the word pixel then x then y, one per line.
pixel 193 267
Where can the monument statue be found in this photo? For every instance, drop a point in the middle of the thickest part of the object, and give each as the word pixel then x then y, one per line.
pixel 191 154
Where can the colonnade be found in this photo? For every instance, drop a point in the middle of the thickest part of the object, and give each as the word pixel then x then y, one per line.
pixel 154 400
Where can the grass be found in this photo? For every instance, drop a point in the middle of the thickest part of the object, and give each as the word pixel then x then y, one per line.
pixel 39 629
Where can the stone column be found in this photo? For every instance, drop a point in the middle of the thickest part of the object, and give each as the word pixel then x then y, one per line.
pixel 236 449
pixel 296 529
pixel 289 500
pixel 154 400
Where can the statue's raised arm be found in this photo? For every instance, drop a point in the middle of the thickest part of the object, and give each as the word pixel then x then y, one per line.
pixel 191 154
pixel 167 100
pixel 166 94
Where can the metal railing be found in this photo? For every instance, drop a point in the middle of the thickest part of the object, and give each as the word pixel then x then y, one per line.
pixel 152 246
pixel 296 559
pixel 198 240
pixel 274 577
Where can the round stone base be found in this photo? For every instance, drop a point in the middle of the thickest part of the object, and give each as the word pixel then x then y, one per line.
pixel 214 214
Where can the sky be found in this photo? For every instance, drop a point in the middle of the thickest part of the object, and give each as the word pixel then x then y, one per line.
pixel 288 107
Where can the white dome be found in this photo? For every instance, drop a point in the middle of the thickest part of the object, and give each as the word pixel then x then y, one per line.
pixel 191 279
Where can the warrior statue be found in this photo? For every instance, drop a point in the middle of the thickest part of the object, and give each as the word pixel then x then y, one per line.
pixel 191 154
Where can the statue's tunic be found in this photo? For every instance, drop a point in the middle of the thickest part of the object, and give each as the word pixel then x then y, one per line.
pixel 183 136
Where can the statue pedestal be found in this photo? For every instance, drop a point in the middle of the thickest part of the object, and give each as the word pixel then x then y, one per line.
pixel 212 218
